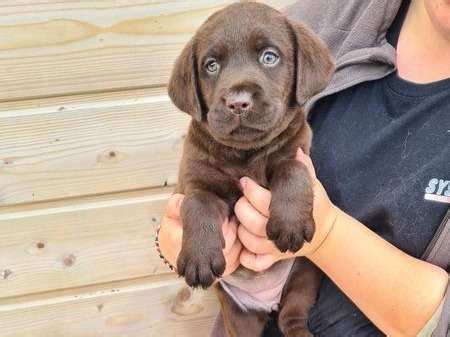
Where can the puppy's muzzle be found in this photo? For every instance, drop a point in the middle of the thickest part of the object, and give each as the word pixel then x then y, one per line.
pixel 239 103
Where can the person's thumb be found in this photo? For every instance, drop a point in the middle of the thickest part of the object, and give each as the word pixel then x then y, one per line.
pixel 257 195
pixel 174 206
pixel 306 160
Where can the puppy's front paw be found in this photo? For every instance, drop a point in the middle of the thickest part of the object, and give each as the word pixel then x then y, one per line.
pixel 294 327
pixel 298 332
pixel 200 267
pixel 288 227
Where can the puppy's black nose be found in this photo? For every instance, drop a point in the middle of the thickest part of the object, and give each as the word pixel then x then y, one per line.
pixel 239 103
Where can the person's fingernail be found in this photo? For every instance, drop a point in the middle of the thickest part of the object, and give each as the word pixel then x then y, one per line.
pixel 225 228
pixel 178 201
pixel 243 182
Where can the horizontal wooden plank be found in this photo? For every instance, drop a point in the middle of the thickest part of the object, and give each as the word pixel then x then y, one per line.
pixel 50 48
pixel 160 306
pixel 90 144
pixel 65 244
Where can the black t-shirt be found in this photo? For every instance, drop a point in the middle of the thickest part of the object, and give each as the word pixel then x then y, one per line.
pixel 382 151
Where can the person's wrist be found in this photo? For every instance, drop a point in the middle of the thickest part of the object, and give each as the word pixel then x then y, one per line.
pixel 158 249
pixel 164 246
pixel 323 229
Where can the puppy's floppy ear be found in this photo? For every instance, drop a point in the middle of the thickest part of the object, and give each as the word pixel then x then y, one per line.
pixel 184 88
pixel 315 65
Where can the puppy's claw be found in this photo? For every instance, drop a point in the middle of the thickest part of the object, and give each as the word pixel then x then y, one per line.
pixel 218 266
pixel 289 242
pixel 294 327
pixel 272 233
pixel 290 234
pixel 309 231
pixel 200 269
pixel 299 333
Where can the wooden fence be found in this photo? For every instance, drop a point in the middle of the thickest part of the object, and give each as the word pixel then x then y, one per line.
pixel 89 149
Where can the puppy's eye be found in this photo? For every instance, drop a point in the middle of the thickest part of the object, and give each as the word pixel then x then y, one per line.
pixel 269 57
pixel 212 66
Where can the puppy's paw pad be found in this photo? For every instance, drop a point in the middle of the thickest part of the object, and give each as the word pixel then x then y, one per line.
pixel 309 228
pixel 298 333
pixel 289 241
pixel 294 327
pixel 290 234
pixel 200 269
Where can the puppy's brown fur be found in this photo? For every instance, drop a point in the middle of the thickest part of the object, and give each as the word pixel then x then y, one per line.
pixel 259 141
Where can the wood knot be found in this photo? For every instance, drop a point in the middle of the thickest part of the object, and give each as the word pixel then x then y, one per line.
pixel 111 156
pixel 37 248
pixel 5 274
pixel 8 161
pixel 69 260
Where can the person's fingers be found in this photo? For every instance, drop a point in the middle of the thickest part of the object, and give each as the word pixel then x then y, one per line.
pixel 306 160
pixel 256 262
pixel 170 238
pixel 232 258
pixel 226 227
pixel 250 218
pixel 254 243
pixel 174 205
pixel 229 234
pixel 258 196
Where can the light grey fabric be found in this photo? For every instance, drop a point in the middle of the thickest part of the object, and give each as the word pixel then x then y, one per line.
pixel 355 32
pixel 432 324
pixel 438 253
pixel 219 328
pixel 260 292
pixel 443 327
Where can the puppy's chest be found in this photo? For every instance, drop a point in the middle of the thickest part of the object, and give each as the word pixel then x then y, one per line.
pixel 256 170
pixel 227 177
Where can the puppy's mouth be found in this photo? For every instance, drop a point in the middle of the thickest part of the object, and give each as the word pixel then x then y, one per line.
pixel 245 131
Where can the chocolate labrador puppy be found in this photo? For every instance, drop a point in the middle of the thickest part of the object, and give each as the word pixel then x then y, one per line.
pixel 244 78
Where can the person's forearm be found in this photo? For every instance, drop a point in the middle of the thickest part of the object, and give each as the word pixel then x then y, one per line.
pixel 397 292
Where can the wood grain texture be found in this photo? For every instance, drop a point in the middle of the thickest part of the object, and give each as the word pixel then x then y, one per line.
pixel 137 308
pixel 78 242
pixel 88 145
pixel 50 48
pixel 88 140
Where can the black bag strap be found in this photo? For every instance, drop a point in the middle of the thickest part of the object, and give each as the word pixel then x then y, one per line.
pixel 438 251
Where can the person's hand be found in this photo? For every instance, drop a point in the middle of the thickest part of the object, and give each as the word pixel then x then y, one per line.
pixel 252 210
pixel 171 234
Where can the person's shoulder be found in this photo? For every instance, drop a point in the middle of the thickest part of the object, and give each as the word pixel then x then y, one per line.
pixel 357 24
pixel 331 20
pixel 321 14
pixel 309 12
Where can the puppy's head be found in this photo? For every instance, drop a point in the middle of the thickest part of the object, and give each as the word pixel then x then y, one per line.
pixel 245 73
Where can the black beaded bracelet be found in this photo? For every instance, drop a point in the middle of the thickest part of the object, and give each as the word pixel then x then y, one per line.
pixel 158 249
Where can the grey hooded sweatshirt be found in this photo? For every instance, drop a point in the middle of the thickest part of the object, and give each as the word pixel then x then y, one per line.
pixel 355 31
